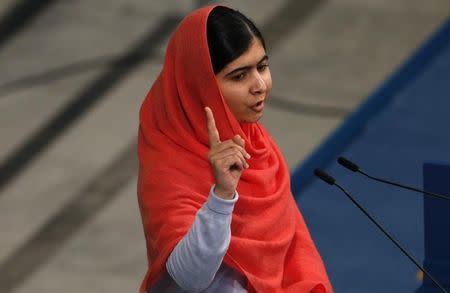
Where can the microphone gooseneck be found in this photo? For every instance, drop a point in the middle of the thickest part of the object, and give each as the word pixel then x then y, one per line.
pixel 355 168
pixel 330 180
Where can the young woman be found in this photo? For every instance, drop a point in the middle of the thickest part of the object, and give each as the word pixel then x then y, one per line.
pixel 213 188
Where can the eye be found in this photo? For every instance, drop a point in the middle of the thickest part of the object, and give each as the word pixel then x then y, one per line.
pixel 239 76
pixel 262 67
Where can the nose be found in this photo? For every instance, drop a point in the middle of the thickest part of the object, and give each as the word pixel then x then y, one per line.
pixel 258 84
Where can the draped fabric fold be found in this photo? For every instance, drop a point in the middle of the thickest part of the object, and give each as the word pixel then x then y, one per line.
pixel 270 243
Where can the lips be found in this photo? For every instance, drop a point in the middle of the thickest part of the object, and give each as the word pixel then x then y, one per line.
pixel 258 107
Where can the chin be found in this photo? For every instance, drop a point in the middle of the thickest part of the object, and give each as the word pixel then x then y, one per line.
pixel 251 119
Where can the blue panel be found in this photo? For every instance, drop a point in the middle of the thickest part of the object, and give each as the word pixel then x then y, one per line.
pixel 391 139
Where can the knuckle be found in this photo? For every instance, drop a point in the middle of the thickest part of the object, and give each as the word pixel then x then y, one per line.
pixel 236 148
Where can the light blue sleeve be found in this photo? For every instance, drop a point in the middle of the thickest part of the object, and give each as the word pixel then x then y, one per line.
pixel 196 259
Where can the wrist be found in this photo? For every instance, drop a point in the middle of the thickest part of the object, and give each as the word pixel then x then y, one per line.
pixel 222 193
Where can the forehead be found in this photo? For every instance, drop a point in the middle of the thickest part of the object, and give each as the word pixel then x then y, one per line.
pixel 250 57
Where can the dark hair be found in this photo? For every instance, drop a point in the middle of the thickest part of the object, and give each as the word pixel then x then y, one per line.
pixel 229 34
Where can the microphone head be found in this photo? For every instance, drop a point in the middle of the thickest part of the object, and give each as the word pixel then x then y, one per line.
pixel 348 164
pixel 324 176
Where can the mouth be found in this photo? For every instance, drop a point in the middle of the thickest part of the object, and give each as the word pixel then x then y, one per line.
pixel 258 107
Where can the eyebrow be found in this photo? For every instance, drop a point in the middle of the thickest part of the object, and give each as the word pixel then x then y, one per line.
pixel 247 67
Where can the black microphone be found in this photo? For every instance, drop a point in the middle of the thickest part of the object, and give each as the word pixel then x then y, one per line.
pixel 355 168
pixel 330 180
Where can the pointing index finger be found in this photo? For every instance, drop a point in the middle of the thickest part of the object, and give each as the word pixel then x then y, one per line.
pixel 213 133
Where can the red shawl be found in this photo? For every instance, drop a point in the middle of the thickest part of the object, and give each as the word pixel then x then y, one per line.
pixel 270 243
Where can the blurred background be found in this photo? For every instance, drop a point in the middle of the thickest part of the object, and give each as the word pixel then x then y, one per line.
pixel 73 75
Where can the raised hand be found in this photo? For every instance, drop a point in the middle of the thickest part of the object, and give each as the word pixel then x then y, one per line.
pixel 228 159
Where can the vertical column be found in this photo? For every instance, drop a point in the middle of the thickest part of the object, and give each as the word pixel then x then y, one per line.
pixel 436 178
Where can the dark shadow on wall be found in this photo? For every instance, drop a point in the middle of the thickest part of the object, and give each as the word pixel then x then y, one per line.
pixel 84 100
pixel 19 16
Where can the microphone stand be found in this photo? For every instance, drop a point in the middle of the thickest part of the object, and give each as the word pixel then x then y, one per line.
pixel 330 180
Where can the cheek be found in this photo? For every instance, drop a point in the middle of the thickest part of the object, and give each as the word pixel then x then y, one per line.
pixel 234 96
pixel 268 81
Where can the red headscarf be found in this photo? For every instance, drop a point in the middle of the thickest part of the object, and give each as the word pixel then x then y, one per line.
pixel 270 243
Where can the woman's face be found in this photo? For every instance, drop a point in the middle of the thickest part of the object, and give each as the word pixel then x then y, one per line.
pixel 245 83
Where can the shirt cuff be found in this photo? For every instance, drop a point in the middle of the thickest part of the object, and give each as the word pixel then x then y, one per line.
pixel 220 205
